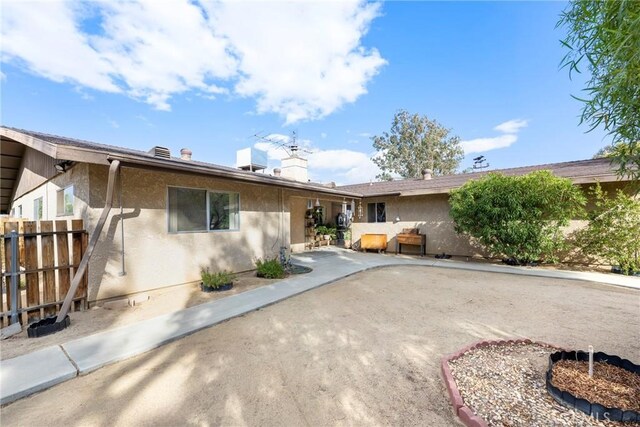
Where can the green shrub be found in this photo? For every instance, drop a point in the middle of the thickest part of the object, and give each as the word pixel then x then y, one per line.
pixel 613 232
pixel 216 280
pixel 270 268
pixel 518 217
pixel 321 229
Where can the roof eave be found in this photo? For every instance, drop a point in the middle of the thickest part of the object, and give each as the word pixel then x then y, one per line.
pixel 185 167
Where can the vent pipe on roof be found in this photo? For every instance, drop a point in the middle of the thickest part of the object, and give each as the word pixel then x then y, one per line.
pixel 276 172
pixel 426 174
pixel 185 154
pixel 161 152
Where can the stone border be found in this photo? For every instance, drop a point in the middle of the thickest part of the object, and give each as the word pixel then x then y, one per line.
pixel 464 413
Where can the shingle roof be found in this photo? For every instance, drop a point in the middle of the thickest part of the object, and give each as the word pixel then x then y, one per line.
pixel 175 163
pixel 581 172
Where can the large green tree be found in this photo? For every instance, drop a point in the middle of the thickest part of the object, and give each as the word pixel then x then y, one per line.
pixel 415 143
pixel 604 36
pixel 517 217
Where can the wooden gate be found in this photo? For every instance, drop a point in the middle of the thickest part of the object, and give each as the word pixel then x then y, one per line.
pixel 49 253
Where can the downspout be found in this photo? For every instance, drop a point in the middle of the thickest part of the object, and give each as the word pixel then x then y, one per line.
pixel 123 272
pixel 77 277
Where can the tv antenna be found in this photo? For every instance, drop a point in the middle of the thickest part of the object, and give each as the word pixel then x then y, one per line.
pixel 480 163
pixel 290 144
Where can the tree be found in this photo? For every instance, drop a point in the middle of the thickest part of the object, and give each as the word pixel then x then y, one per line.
pixel 416 143
pixel 517 217
pixel 604 153
pixel 606 36
pixel 613 232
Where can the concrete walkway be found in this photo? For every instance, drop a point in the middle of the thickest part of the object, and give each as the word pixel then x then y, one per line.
pixel 42 369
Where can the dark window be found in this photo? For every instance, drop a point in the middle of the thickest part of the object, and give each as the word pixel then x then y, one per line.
pixel 376 212
pixel 187 209
pixel 193 209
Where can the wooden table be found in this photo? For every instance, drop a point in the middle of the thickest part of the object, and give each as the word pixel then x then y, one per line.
pixel 413 239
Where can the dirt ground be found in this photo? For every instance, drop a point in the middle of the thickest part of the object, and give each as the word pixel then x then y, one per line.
pixel 98 319
pixel 362 351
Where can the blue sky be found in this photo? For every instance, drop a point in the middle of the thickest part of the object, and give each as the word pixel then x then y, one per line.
pixel 210 76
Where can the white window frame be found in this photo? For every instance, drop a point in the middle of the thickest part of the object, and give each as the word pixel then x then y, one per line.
pixel 208 213
pixel 61 210
pixel 35 208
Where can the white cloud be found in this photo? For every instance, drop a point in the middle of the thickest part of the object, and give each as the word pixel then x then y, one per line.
pixel 339 165
pixel 510 130
pixel 301 60
pixel 511 126
pixel 480 145
pixel 3 76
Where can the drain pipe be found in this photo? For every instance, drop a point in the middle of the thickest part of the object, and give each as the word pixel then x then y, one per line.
pixel 77 277
pixel 123 271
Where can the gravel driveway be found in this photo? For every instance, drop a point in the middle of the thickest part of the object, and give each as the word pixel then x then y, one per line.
pixel 362 351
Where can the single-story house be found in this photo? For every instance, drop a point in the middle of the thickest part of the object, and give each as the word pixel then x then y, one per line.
pixel 178 215
pixel 173 216
pixel 388 207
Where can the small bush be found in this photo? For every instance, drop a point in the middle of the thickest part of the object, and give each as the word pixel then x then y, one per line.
pixel 613 232
pixel 216 280
pixel 270 268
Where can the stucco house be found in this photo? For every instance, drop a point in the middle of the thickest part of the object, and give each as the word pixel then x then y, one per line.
pixel 170 217
pixel 388 207
pixel 173 216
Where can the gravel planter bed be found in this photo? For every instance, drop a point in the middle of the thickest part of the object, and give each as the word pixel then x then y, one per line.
pixel 504 384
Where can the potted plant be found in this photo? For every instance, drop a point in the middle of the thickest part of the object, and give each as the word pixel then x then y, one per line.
pixel 324 232
pixel 333 233
pixel 215 282
pixel 347 238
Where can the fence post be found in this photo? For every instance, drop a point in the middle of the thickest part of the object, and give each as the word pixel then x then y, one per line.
pixel 14 276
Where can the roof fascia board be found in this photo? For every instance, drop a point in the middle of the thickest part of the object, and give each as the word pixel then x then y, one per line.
pixel 389 194
pixel 83 155
pixel 38 144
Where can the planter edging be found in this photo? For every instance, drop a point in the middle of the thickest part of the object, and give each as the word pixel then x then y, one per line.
pixel 595 410
pixel 220 288
pixel 463 412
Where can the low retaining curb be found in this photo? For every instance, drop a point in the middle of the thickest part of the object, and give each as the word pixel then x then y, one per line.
pixel 464 413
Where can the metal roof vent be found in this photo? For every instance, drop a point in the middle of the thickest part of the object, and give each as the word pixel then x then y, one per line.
pixel 161 152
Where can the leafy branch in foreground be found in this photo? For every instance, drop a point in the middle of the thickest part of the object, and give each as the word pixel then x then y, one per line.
pixel 605 36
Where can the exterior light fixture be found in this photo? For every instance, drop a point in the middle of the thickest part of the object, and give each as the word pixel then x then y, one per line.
pixel 63 166
pixel 317 202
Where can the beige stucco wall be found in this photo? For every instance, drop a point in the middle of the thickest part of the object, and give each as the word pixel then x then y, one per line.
pixel 298 208
pixel 155 258
pixel 430 214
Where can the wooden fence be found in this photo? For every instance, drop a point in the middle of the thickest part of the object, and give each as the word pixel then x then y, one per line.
pixel 50 252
